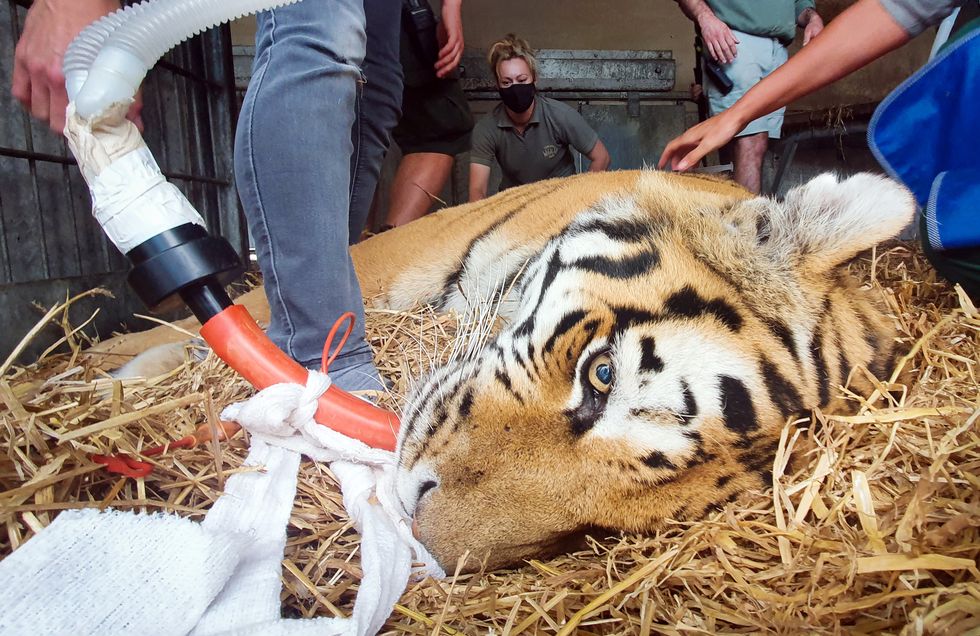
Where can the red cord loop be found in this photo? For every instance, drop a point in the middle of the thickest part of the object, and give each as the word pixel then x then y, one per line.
pixel 328 360
pixel 131 467
pixel 123 465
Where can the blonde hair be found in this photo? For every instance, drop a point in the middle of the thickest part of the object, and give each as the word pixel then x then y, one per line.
pixel 508 48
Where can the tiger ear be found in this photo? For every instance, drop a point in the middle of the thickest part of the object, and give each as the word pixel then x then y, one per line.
pixel 824 223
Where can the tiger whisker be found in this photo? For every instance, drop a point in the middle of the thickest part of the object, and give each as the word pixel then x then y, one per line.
pixel 493 306
pixel 427 362
pixel 478 311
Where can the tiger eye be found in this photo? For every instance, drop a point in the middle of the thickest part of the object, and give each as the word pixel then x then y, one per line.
pixel 601 373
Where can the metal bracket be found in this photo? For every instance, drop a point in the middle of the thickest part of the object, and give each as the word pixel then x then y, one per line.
pixel 633 105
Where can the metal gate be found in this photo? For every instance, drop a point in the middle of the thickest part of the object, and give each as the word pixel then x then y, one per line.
pixel 50 244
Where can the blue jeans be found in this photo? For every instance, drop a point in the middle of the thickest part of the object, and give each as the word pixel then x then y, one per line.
pixel 325 92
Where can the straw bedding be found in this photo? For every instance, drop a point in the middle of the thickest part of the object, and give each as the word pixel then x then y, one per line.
pixel 872 528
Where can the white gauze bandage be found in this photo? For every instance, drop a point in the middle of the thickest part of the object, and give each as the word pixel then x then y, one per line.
pixel 131 199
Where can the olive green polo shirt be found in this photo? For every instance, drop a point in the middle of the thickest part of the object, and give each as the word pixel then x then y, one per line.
pixel 542 152
pixel 765 18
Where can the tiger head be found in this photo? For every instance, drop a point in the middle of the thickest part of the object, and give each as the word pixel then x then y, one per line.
pixel 659 344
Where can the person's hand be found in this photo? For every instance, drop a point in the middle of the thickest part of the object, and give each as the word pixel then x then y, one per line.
pixel 38 82
pixel 814 25
pixel 450 34
pixel 718 38
pixel 684 152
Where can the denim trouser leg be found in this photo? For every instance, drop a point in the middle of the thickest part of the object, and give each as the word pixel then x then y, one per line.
pixel 292 168
pixel 379 106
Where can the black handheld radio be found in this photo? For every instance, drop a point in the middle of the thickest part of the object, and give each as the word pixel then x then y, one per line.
pixel 421 28
pixel 713 68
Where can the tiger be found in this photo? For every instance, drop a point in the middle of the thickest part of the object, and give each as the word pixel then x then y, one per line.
pixel 657 332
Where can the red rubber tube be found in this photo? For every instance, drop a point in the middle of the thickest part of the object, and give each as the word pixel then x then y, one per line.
pixel 236 338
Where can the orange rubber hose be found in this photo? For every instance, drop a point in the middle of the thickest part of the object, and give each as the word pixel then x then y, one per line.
pixel 236 338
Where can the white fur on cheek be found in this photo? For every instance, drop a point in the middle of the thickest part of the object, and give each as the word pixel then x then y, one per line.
pixel 692 356
pixel 489 267
pixel 409 482
pixel 530 291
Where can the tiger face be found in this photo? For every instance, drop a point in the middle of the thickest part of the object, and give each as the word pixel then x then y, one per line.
pixel 655 348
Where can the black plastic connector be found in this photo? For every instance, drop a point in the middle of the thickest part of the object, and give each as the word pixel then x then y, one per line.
pixel 184 264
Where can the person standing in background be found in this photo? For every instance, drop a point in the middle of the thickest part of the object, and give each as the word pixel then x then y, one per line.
pixel 925 133
pixel 324 95
pixel 748 38
pixel 436 121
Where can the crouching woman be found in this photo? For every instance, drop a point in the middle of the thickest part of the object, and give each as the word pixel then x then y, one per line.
pixel 529 135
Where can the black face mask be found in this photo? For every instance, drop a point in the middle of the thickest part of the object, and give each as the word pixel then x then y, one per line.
pixel 517 97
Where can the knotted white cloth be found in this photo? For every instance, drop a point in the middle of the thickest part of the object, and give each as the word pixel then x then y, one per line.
pixel 106 572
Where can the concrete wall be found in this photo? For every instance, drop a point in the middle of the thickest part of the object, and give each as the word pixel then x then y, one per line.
pixel 650 24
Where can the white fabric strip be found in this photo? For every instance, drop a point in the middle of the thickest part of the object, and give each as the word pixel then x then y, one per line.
pixel 115 572
pixel 93 572
pixel 275 416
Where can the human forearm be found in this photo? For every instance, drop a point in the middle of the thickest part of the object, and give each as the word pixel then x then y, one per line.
pixel 599 158
pixel 695 10
pixel 479 180
pixel 477 193
pixel 599 166
pixel 862 33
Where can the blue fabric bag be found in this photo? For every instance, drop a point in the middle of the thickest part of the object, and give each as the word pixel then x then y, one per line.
pixel 926 133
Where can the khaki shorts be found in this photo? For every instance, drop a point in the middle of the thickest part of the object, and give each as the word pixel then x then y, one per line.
pixel 756 58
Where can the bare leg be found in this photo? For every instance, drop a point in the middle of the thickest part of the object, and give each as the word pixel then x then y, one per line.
pixel 419 175
pixel 749 152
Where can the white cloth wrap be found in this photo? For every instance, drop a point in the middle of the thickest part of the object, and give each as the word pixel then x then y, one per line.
pixel 113 572
pixel 133 202
pixel 131 199
pixel 106 572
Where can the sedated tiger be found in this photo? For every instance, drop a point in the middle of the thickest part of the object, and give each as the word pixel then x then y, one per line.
pixel 658 331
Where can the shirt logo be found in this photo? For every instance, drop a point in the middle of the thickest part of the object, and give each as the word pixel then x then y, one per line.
pixel 550 151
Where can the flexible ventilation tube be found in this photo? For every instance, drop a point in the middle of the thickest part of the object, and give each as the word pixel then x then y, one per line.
pixel 85 48
pixel 118 50
pixel 105 65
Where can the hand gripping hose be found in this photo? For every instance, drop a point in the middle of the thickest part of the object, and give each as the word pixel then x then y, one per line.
pixel 148 218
